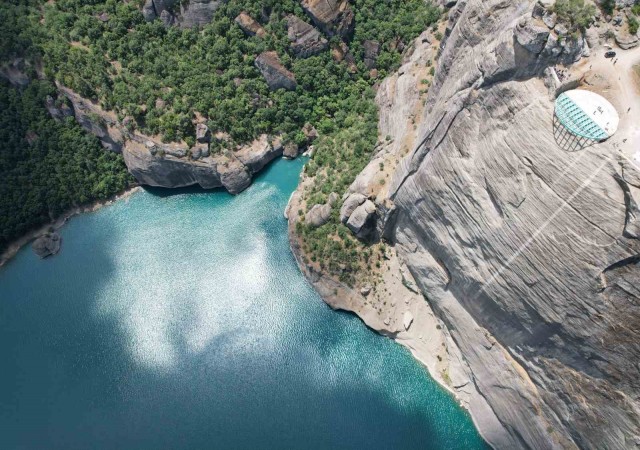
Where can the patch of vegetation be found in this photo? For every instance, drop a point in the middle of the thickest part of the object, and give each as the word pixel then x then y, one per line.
pixel 608 6
pixel 128 64
pixel 575 14
pixel 633 24
pixel 47 167
pixel 163 77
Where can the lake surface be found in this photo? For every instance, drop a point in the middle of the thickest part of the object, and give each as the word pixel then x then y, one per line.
pixel 182 322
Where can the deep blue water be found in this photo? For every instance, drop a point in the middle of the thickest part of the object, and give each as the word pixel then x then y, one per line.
pixel 182 322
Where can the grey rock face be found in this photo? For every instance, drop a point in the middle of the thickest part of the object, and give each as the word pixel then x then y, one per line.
pixel 276 75
pixel 318 215
pixel 192 13
pixel 91 117
pixel 259 153
pixel 203 134
pixel 371 51
pixel 350 205
pixel 196 13
pixel 532 37
pixel 527 253
pixel 305 39
pixel 360 221
pixel 47 245
pixel 333 17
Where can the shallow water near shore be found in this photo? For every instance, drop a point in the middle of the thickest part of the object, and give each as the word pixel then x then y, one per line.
pixel 181 321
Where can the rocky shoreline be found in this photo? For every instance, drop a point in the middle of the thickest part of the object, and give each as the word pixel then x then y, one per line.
pixel 483 173
pixel 52 227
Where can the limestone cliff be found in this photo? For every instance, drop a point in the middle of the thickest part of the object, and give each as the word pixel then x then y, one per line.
pixel 525 249
pixel 175 165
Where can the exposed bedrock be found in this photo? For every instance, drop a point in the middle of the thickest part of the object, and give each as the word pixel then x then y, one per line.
pixel 168 165
pixel 174 165
pixel 527 252
pixel 333 17
pixel 192 13
pixel 275 74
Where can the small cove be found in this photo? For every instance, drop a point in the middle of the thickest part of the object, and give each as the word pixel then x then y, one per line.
pixel 181 321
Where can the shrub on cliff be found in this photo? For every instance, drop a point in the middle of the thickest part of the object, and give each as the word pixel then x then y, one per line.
pixel 575 14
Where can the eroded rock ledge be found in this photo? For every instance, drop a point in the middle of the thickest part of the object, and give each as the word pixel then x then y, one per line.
pixel 175 165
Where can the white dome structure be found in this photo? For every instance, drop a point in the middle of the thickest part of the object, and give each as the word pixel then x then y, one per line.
pixel 587 115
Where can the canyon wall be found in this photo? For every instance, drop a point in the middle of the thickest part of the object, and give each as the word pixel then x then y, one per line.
pixel 522 241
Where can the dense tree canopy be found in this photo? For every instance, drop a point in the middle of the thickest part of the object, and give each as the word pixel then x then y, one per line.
pixel 165 77
pixel 47 167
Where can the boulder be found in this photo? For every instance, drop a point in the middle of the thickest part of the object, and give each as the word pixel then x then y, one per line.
pixel 625 40
pixel 371 52
pixel 276 75
pixel 360 220
pixel 318 215
pixel 305 39
pixel 203 134
pixel 47 245
pixel 195 13
pixel 310 132
pixel 333 17
pixel 350 205
pixel 153 9
pixel 167 18
pixel 291 150
pixel 234 176
pixel 199 151
pixel 341 53
pixel 550 20
pixel 249 25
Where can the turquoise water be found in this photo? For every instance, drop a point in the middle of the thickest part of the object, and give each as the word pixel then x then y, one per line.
pixel 182 322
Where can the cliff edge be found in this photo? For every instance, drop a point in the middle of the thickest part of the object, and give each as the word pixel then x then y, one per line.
pixel 524 248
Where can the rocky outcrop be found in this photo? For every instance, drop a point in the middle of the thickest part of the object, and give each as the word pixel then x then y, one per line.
pixel 276 75
pixel 333 17
pixel 305 39
pixel 196 13
pixel 191 14
pixel 92 118
pixel 176 165
pixel 371 52
pixel 526 253
pixel 259 153
pixel 249 25
pixel 319 214
pixel 291 150
pixel 167 165
pixel 361 221
pixel 47 245
pixel 515 244
pixel 58 108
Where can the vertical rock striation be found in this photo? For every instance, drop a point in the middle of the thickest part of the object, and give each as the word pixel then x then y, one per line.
pixel 527 252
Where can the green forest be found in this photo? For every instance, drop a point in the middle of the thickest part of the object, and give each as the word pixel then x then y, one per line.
pixel 162 77
pixel 47 167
